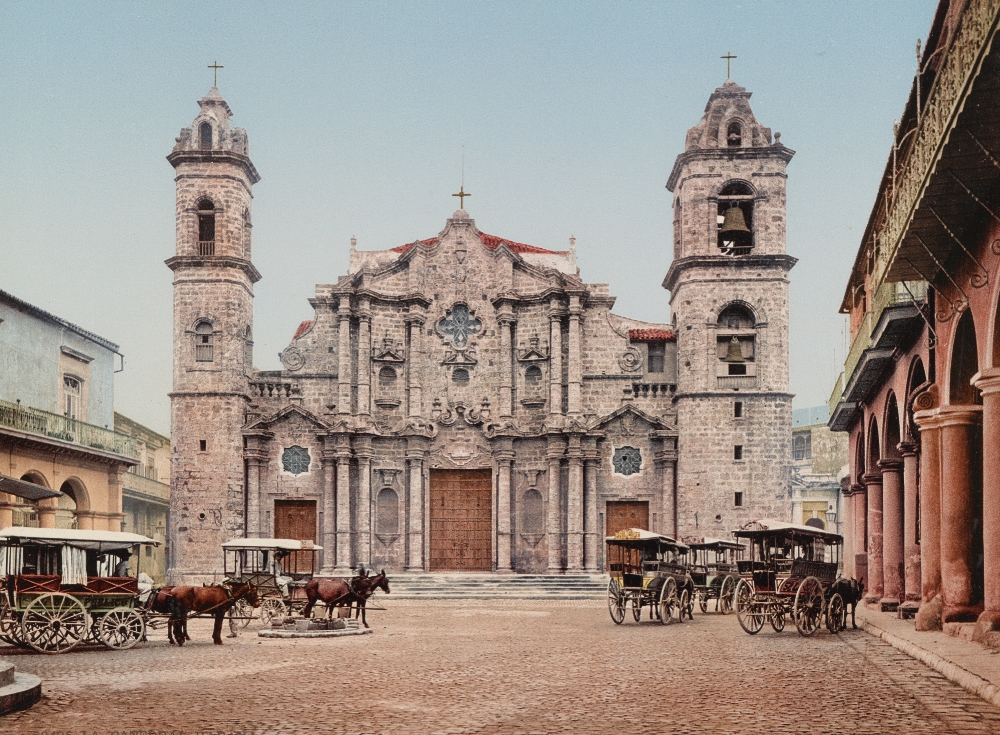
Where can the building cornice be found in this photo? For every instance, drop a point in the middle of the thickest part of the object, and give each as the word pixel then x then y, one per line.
pixel 726 154
pixel 201 261
pixel 233 159
pixel 677 267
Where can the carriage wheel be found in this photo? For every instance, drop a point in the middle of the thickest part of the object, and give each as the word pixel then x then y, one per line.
pixel 778 618
pixel 272 608
pixel 669 605
pixel 748 609
pixel 836 613
pixel 809 603
pixel 726 591
pixel 616 602
pixel 54 623
pixel 637 608
pixel 686 605
pixel 121 628
pixel 703 601
pixel 9 624
pixel 240 615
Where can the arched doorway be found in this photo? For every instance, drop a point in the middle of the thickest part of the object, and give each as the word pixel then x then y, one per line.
pixel 25 512
pixel 66 506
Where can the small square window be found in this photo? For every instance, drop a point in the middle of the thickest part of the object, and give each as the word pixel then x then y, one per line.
pixel 738 409
pixel 738 451
pixel 202 445
pixel 738 500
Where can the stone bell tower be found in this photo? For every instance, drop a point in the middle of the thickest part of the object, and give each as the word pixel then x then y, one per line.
pixel 213 339
pixel 728 287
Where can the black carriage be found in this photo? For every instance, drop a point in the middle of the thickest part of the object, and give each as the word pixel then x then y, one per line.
pixel 648 570
pixel 62 587
pixel 279 568
pixel 713 569
pixel 788 576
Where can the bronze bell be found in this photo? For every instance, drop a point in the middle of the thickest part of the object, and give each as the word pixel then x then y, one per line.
pixel 734 353
pixel 734 223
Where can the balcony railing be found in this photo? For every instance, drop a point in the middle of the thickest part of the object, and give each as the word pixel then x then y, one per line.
pixel 63 428
pixel 206 247
pixel 888 294
pixel 837 394
pixel 145 485
pixel 733 382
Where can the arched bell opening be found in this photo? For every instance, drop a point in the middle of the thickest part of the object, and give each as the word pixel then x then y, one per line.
pixel 735 218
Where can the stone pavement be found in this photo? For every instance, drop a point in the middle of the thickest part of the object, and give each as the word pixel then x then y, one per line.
pixel 502 667
pixel 973 667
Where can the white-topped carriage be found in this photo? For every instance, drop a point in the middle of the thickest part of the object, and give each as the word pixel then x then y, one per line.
pixel 64 586
pixel 279 569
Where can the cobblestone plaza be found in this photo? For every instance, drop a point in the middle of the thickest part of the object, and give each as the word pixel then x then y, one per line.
pixel 501 667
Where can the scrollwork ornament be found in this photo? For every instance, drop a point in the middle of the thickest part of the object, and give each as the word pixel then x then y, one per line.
pixel 292 359
pixel 630 361
pixel 926 400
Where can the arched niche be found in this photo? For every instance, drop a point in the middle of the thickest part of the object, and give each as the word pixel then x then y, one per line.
pixel 964 363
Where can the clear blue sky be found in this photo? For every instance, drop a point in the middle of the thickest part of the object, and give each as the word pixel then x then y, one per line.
pixel 570 115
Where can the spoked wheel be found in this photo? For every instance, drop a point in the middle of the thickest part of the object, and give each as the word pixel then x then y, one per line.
pixel 726 592
pixel 54 623
pixel 10 626
pixel 669 604
pixel 240 614
pixel 749 612
pixel 121 628
pixel 778 618
pixel 836 613
pixel 616 602
pixel 272 608
pixel 686 605
pixel 809 603
pixel 636 608
pixel 702 601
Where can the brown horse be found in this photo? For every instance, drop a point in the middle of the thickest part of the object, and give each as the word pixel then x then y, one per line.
pixel 160 600
pixel 216 600
pixel 340 592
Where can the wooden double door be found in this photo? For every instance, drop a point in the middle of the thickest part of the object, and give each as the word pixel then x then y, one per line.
pixel 296 519
pixel 461 521
pixel 626 514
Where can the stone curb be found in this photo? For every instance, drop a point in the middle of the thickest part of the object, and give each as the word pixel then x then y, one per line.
pixel 953 672
pixel 311 633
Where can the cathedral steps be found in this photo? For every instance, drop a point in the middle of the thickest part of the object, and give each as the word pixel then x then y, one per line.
pixel 483 586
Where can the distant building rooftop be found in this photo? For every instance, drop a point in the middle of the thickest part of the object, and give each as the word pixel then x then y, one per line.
pixel 810 416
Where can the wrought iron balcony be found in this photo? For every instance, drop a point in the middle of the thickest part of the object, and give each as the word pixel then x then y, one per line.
pixel 65 429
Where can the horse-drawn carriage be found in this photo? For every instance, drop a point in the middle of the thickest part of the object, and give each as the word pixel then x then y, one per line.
pixel 648 570
pixel 788 575
pixel 278 568
pixel 712 566
pixel 62 587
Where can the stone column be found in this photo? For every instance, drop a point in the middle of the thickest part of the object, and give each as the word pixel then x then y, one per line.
pixel 554 516
pixel 555 359
pixel 255 462
pixel 364 357
pixel 415 516
pixel 363 532
pixel 506 321
pixel 957 426
pixel 416 324
pixel 911 549
pixel 892 533
pixel 343 513
pixel 591 538
pixel 505 463
pixel 574 507
pixel 930 505
pixel 859 514
pixel 876 582
pixel 667 462
pixel 574 404
pixel 846 518
pixel 84 520
pixel 344 356
pixel 989 384
pixel 47 515
pixel 329 531
pixel 6 510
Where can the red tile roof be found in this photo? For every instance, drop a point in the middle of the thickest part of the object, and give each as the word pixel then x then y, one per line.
pixel 303 328
pixel 492 242
pixel 652 335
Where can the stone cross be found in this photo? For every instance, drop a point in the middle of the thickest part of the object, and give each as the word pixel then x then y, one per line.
pixel 728 57
pixel 215 73
pixel 461 197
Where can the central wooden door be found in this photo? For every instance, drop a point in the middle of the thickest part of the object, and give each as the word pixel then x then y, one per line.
pixel 461 520
pixel 296 519
pixel 626 514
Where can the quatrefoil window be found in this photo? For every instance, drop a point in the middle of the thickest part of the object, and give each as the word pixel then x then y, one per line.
pixel 295 459
pixel 627 461
pixel 458 324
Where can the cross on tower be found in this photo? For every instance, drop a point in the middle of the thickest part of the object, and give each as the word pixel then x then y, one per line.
pixel 728 57
pixel 215 74
pixel 461 196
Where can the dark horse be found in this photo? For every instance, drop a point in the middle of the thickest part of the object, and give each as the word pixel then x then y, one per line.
pixel 852 590
pixel 338 592
pixel 216 600
pixel 161 601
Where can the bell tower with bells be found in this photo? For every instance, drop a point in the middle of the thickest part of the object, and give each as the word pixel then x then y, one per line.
pixel 728 286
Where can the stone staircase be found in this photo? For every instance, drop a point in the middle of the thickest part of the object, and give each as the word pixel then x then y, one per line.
pixel 17 691
pixel 468 586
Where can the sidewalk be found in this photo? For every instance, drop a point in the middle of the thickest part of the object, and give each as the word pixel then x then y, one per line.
pixel 973 667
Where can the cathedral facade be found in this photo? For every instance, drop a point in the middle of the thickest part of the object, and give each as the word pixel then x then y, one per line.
pixel 467 402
